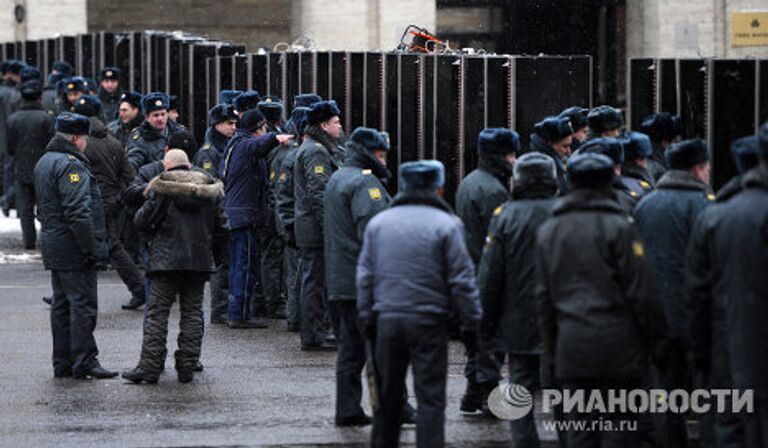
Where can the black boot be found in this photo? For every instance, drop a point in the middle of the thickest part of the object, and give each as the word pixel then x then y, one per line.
pixel 138 375
pixel 472 401
pixel 185 376
pixel 136 302
pixel 47 300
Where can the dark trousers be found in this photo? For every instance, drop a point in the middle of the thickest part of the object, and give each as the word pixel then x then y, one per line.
pixel 596 438
pixel 73 319
pixel 674 375
pixel 313 302
pixel 122 262
pixel 25 205
pixel 244 256
pixel 220 290
pixel 756 424
pixel 525 370
pixel 9 177
pixel 272 275
pixel 188 286
pixel 482 367
pixel 422 342
pixel 292 285
pixel 350 361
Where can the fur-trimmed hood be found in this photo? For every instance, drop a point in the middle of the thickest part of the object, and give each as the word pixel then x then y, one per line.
pixel 189 189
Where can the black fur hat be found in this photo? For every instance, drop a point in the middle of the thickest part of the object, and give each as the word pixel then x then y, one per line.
pixel 221 113
pixel 421 175
pixel 687 154
pixel 604 118
pixel 553 129
pixel 323 111
pixel 87 105
pixel 500 141
pixel 590 170
pixel 246 101
pixel 73 124
pixel 132 98
pixel 744 153
pixel 608 146
pixel 155 101
pixel 577 116
pixel 370 139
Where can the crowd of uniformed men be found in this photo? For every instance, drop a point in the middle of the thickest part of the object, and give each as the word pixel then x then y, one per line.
pixel 594 259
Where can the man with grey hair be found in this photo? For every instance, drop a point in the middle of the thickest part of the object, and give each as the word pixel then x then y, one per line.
pixel 504 279
pixel 73 243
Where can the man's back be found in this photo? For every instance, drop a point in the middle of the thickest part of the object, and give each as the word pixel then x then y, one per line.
pixel 29 131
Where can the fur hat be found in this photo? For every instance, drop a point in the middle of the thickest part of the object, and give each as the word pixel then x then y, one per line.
pixel 13 66
pixel 590 170
pixel 29 73
pixel 534 168
pixel 87 105
pixel 762 152
pixel 553 129
pixel 31 90
pixel 228 96
pixel 132 98
pixel 604 118
pixel 155 101
pixel 500 141
pixel 323 111
pixel 110 73
pixel 637 146
pixel 661 126
pixel 63 67
pixel 90 85
pixel 184 141
pixel 252 120
pixel 246 101
pixel 608 146
pixel 73 124
pixel 272 110
pixel 744 153
pixel 74 84
pixel 221 113
pixel 421 175
pixel 300 117
pixel 173 103
pixel 577 116
pixel 687 154
pixel 306 100
pixel 370 139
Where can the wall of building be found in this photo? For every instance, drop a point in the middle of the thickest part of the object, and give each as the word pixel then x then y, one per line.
pixel 44 18
pixel 694 28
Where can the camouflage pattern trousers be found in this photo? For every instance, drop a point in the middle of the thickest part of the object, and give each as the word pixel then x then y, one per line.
pixel 164 288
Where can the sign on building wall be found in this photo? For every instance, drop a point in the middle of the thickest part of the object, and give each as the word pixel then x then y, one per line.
pixel 749 29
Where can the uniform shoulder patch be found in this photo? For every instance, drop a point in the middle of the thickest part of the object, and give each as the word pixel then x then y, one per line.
pixel 74 178
pixel 644 184
pixel 633 194
pixel 207 146
pixel 367 172
pixel 135 136
pixel 319 169
pixel 630 219
pixel 497 211
pixel 283 176
pixel 207 166
pixel 272 175
pixel 711 197
pixel 374 193
pixel 638 249
pixel 71 157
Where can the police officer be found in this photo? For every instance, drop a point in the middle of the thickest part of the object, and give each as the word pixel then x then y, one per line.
pixel 589 257
pixel 577 116
pixel 129 117
pixel 665 220
pixel 228 96
pixel 614 149
pixel 479 194
pixel 318 158
pixel 553 136
pixel 283 166
pixel 73 243
pixel 504 279
pixel 244 173
pixel 222 122
pixel 74 88
pixel 28 130
pixel 9 97
pixel 725 284
pixel 148 141
pixel 354 194
pixel 246 101
pixel 182 216
pixel 413 271
pixel 604 121
pixel 113 173
pixel 634 170
pixel 272 108
pixel 301 100
pixel 664 129
pixel 51 93
pixel 173 108
pixel 109 93
pixel 744 153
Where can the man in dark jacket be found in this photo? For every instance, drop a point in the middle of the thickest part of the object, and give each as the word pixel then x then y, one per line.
pixel 28 130
pixel 222 122
pixel 110 93
pixel 244 101
pixel 553 136
pixel 182 216
pixel 577 116
pixel 744 153
pixel 599 313
pixel 504 279
pixel 282 165
pixel 604 121
pixel 73 243
pixel 634 170
pixel 354 195
pixel 9 98
pixel 726 299
pixel 52 92
pixel 302 100
pixel 318 158
pixel 479 194
pixel 244 173
pixel 147 143
pixel 664 129
pixel 413 271
pixel 665 219
pixel 129 117
pixel 614 149
pixel 112 172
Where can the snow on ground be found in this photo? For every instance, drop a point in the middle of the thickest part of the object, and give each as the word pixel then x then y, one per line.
pixel 11 224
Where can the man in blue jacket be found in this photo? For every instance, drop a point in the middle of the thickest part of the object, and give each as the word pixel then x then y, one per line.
pixel 73 243
pixel 244 172
pixel 413 270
